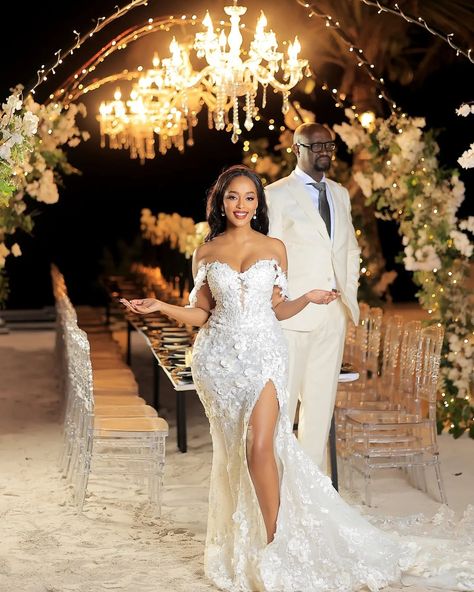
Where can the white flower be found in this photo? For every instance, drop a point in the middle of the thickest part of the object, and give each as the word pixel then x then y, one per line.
pixel 13 104
pixel 30 123
pixel 463 110
pixel 45 189
pixel 4 252
pixel 467 224
pixel 410 143
pixel 351 135
pixel 466 160
pixel 15 250
pixel 364 183
pixel 462 243
pixel 379 181
pixel 5 153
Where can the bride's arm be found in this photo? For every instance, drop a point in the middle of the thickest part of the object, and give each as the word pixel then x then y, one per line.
pixel 285 309
pixel 195 315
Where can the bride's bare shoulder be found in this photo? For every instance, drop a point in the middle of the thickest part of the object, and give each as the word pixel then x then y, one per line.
pixel 276 246
pixel 204 252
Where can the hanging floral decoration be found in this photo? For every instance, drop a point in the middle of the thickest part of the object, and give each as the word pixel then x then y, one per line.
pixel 32 162
pixel 403 178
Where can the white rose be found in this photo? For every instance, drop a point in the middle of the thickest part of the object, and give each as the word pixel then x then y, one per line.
pixel 352 136
pixel 467 224
pixel 466 160
pixel 364 183
pixel 464 110
pixel 462 243
pixel 30 123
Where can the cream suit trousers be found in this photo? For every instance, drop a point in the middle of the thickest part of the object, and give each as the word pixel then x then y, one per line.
pixel 314 367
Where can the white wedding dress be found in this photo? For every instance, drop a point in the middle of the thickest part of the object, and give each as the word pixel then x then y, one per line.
pixel 321 543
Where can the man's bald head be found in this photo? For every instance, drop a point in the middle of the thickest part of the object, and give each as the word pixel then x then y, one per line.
pixel 305 132
pixel 313 163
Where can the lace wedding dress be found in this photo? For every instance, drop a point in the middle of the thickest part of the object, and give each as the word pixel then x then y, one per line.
pixel 321 543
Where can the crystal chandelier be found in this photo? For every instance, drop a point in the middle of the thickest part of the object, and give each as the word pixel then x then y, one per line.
pixel 161 102
pixel 167 98
pixel 229 77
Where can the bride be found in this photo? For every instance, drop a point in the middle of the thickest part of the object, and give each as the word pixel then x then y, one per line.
pixel 275 522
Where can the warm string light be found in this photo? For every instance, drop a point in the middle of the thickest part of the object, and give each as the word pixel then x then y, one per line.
pixel 73 87
pixel 100 23
pixel 362 60
pixel 420 22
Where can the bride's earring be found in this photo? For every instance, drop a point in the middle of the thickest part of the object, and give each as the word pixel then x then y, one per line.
pixel 255 215
pixel 222 213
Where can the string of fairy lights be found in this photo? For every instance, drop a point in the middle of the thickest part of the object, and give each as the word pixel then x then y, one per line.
pixel 60 55
pixel 73 86
pixel 357 52
pixel 420 22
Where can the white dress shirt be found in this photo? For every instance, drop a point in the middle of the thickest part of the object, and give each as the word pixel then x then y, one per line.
pixel 314 194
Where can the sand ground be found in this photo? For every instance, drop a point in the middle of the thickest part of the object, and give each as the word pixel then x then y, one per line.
pixel 46 546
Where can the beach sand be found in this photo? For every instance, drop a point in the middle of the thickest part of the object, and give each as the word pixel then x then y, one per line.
pixel 116 544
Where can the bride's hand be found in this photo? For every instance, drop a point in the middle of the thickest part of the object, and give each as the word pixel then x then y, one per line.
pixel 321 296
pixel 142 305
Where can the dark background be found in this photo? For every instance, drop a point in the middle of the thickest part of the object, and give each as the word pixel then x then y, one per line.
pixel 101 208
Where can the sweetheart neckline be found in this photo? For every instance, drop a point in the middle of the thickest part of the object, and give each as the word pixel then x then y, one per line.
pixel 271 260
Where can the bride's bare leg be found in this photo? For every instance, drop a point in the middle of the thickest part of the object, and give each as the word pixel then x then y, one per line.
pixel 261 457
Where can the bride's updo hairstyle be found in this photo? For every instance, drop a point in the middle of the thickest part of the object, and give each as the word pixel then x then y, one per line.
pixel 215 200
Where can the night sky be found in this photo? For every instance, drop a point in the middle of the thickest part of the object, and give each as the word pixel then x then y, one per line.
pixel 101 208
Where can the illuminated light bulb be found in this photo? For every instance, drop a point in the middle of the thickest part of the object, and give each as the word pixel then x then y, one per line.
pixel 367 119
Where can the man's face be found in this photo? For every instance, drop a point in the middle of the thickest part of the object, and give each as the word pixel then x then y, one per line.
pixel 309 161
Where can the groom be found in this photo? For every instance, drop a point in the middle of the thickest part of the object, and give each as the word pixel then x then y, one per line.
pixel 312 216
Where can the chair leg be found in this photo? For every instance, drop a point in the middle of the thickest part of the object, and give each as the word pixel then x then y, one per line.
pixel 439 478
pixel 83 470
pixel 368 483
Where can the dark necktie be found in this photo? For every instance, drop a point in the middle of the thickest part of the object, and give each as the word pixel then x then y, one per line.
pixel 323 204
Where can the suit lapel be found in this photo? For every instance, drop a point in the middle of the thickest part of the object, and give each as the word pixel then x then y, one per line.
pixel 304 200
pixel 339 213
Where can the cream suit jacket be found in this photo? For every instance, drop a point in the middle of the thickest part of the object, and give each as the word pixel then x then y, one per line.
pixel 313 260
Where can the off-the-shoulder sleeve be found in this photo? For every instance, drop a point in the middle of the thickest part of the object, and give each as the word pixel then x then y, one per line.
pixel 281 281
pixel 199 282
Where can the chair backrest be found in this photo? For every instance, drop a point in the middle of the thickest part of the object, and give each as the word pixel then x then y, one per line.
pixel 427 367
pixel 392 337
pixel 79 366
pixel 374 338
pixel 409 348
pixel 367 341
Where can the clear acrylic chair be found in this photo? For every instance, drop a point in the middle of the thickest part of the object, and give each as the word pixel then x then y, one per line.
pixel 113 445
pixel 405 437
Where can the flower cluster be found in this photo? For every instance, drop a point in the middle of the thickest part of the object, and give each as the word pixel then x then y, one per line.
pixel 466 160
pixel 180 232
pixel 402 177
pixel 31 163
